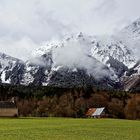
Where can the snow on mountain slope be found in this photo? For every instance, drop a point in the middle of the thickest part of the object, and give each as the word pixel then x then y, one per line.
pixel 133 30
pixel 67 63
pixel 104 48
pixel 75 61
pixel 9 68
pixel 108 50
pixel 37 68
pixel 70 57
pixel 78 60
pixel 130 35
pixel 99 57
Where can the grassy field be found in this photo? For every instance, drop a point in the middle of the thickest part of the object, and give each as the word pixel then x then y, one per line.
pixel 68 129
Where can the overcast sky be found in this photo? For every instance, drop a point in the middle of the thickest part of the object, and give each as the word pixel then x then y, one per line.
pixel 25 24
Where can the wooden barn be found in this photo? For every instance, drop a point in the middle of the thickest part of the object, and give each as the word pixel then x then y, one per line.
pixel 8 109
pixel 96 112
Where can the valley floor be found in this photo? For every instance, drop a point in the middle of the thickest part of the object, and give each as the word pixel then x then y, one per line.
pixel 68 129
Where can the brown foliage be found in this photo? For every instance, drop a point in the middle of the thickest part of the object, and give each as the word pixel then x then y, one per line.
pixel 132 109
pixel 75 103
pixel 26 107
pixel 116 108
pixel 97 100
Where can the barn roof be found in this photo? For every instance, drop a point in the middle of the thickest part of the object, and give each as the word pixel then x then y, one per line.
pixel 95 111
pixel 98 111
pixel 90 111
pixel 6 104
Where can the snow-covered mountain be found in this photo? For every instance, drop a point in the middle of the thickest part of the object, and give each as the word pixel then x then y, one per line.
pixel 53 65
pixel 69 63
pixel 133 30
pixel 79 60
pixel 130 36
pixel 10 69
pixel 111 52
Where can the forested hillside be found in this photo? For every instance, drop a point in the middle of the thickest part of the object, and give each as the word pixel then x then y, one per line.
pixel 74 102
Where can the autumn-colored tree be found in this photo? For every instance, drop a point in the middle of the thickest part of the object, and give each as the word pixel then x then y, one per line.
pixel 132 109
pixel 27 107
pixel 116 108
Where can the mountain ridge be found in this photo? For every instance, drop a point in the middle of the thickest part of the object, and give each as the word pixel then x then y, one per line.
pixel 79 60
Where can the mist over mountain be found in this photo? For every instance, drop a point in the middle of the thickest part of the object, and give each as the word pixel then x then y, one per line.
pixel 79 60
pixel 130 35
pixel 24 25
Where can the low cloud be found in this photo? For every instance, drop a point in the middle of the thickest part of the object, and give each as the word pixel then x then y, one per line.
pixel 14 47
pixel 73 55
pixel 32 22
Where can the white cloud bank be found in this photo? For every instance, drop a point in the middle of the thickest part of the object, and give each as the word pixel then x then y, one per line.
pixel 73 54
pixel 24 24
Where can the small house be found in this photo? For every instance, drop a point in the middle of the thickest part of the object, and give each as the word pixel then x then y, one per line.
pixel 96 112
pixel 8 109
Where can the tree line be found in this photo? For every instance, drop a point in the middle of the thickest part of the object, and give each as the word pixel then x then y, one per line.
pixel 71 102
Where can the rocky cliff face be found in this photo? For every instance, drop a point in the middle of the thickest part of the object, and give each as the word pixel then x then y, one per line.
pixel 11 69
pixel 131 37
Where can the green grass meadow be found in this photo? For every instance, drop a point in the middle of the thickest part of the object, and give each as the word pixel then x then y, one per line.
pixel 68 129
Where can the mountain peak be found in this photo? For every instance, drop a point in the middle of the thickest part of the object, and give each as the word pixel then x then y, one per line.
pixel 137 23
pixel 96 59
pixel 133 28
